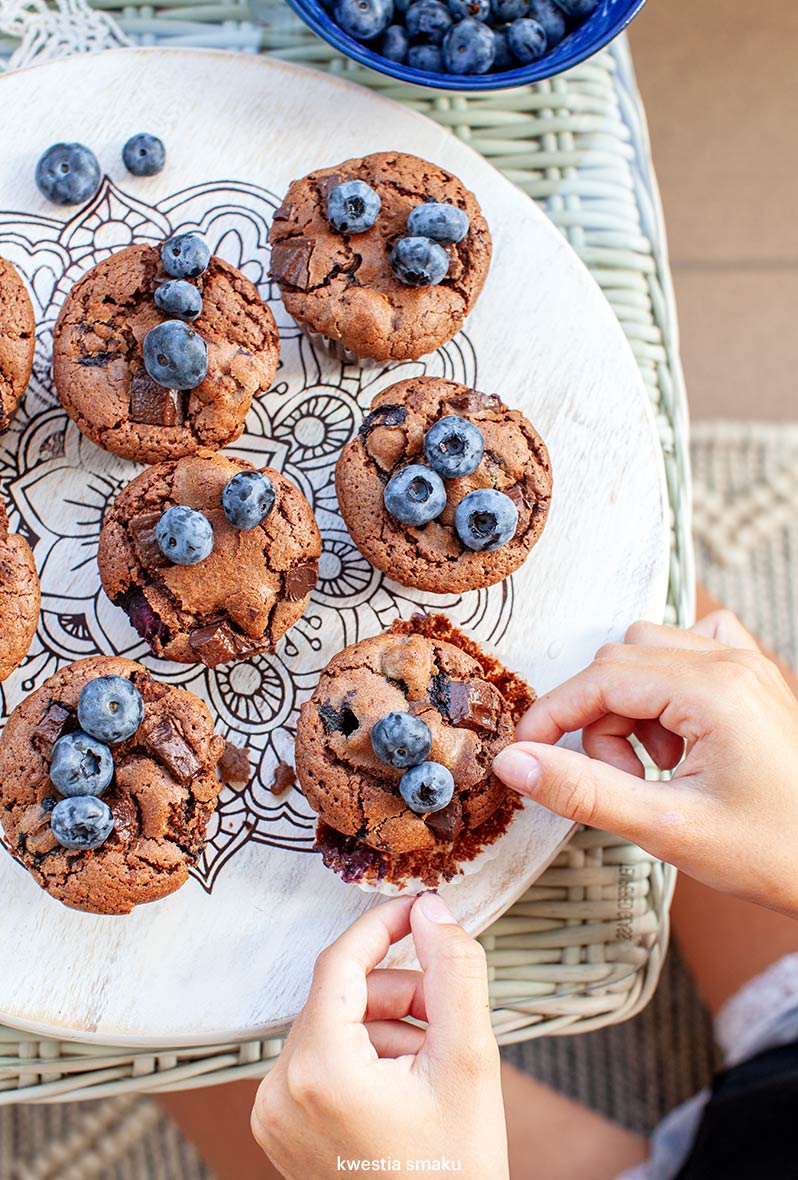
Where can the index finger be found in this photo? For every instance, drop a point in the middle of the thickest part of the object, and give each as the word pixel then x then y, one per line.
pixel 641 689
pixel 338 996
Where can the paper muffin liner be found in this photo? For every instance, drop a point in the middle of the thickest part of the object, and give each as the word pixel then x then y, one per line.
pixel 466 868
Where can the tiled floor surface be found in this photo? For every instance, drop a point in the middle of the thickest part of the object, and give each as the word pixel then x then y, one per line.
pixel 720 85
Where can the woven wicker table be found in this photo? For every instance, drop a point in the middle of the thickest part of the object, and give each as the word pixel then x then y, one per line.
pixel 584 946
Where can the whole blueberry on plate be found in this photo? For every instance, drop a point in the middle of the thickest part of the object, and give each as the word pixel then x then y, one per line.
pixel 247 499
pixel 175 356
pixel 507 10
pixel 364 19
pixel 454 446
pixel 550 16
pixel 185 256
pixel 401 740
pixel 82 823
pixel 144 154
pixel 527 39
pixel 352 207
pixel 468 47
pixel 428 20
pixel 477 9
pixel 415 495
pixel 395 43
pixel 437 220
pixel 427 787
pixel 485 519
pixel 110 708
pixel 179 298
pixel 184 535
pixel 577 9
pixel 80 765
pixel 68 174
pixel 419 262
pixel 425 57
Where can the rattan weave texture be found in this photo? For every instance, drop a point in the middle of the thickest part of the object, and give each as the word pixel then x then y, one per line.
pixel 584 946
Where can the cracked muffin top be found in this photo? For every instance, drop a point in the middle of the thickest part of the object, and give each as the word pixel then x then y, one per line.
pixel 513 461
pixel 17 340
pixel 354 789
pixel 20 598
pixel 98 362
pixel 238 600
pixel 343 286
pixel 161 795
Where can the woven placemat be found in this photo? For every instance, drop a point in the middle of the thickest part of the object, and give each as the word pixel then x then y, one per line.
pixel 633 1072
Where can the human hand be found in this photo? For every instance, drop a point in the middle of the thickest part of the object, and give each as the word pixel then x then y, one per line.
pixel 354 1082
pixel 706 702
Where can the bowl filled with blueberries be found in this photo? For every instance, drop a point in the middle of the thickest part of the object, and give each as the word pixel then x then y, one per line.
pixel 468 44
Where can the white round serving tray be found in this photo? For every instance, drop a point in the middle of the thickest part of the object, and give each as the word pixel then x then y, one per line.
pixel 230 955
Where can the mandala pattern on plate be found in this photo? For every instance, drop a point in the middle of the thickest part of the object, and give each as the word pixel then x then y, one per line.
pixel 56 484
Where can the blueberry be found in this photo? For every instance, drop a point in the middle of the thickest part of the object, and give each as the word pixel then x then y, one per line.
pixel 247 499
pixel 185 256
pixel 485 519
pixel 454 447
pixel 441 222
pixel 395 43
pixel 468 47
pixel 183 535
pixel 364 19
pixel 425 57
pixel 426 788
pixel 110 708
pixel 353 207
pixel 180 299
pixel 550 17
pixel 478 9
pixel 577 9
pixel 144 155
pixel 402 5
pixel 419 262
pixel 506 10
pixel 175 355
pixel 82 823
pixel 80 765
pixel 415 495
pixel 503 58
pixel 401 740
pixel 428 20
pixel 527 40
pixel 68 174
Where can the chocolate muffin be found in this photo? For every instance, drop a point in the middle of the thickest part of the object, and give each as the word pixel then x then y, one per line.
pixel 384 814
pixel 17 340
pixel 343 284
pixel 508 457
pixel 20 598
pixel 98 359
pixel 154 811
pixel 239 599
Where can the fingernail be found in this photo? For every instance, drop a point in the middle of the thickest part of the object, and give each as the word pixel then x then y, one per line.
pixel 518 769
pixel 435 908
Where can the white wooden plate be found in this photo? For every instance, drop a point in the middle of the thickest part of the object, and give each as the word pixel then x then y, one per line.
pixel 230 954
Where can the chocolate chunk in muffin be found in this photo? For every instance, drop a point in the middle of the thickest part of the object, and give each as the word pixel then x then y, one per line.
pixel 161 796
pixel 342 285
pixel 242 597
pixel 432 556
pixel 17 340
pixel 20 598
pixel 98 361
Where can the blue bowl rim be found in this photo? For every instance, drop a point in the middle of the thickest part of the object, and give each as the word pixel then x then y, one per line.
pixel 506 80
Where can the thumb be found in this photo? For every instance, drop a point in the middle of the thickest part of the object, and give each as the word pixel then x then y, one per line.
pixel 584 789
pixel 455 986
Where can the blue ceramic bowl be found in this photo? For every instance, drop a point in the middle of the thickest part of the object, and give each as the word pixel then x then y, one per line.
pixel 606 22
